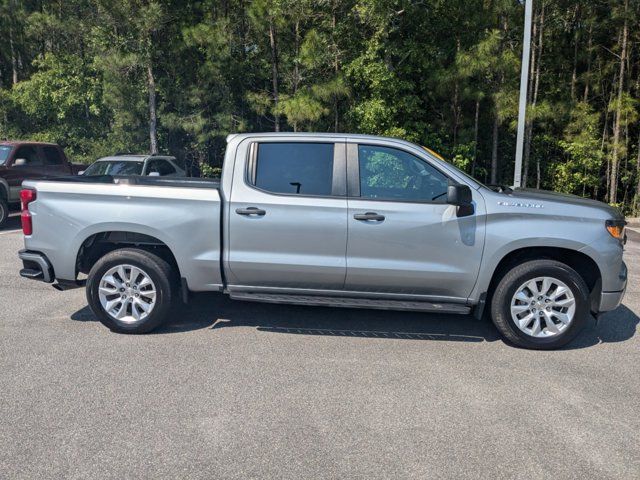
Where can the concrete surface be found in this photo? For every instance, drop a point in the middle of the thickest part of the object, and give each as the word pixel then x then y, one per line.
pixel 241 390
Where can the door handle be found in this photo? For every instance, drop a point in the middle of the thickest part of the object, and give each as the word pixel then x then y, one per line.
pixel 369 216
pixel 251 211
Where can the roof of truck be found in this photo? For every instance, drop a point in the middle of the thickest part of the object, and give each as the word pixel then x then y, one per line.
pixel 123 158
pixel 25 142
pixel 129 157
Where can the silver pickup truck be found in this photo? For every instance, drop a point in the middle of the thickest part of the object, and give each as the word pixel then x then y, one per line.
pixel 332 220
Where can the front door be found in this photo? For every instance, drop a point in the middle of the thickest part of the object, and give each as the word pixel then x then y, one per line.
pixel 27 164
pixel 288 215
pixel 403 237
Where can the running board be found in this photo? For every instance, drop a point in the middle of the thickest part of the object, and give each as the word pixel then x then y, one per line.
pixel 346 302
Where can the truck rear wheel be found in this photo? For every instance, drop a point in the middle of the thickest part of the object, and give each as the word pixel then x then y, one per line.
pixel 129 290
pixel 540 304
pixel 4 212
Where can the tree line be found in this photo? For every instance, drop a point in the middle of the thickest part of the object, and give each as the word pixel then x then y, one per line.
pixel 101 76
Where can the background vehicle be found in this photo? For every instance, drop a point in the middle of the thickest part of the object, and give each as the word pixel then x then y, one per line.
pixel 153 165
pixel 27 161
pixel 334 220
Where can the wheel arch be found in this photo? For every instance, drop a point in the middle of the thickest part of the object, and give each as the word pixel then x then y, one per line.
pixel 4 190
pixel 97 245
pixel 582 263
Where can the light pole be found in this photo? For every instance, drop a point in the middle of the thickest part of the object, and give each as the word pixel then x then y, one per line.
pixel 524 83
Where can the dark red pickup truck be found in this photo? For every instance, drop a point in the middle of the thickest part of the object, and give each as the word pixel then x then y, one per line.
pixel 25 161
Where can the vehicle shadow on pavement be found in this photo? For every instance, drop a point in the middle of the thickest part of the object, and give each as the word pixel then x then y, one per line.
pixel 612 327
pixel 217 311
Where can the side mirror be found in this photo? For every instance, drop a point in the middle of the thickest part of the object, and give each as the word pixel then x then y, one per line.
pixel 20 162
pixel 460 195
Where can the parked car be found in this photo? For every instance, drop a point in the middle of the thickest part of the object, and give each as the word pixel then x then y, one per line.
pixel 332 220
pixel 27 161
pixel 128 164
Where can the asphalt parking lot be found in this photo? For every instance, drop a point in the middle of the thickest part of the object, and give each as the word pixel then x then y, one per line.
pixel 242 390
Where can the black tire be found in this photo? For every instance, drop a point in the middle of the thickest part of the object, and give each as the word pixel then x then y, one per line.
pixel 4 212
pixel 155 267
pixel 506 288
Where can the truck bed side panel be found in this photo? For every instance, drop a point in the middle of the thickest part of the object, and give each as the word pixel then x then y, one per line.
pixel 187 220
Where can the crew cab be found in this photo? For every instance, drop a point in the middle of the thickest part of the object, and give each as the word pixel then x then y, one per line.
pixel 333 220
pixel 26 161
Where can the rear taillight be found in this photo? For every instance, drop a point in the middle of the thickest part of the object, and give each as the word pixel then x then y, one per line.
pixel 26 197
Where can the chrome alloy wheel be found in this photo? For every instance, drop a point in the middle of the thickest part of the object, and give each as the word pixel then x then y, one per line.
pixel 543 307
pixel 127 293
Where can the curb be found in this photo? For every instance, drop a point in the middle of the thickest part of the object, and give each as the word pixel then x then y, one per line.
pixel 633 222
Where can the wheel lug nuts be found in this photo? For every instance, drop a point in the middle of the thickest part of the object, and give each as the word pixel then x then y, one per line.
pixel 548 309
pixel 533 310
pixel 122 289
pixel 128 285
pixel 137 295
pixel 540 298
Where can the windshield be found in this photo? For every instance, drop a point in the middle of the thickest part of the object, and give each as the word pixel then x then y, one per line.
pixel 5 150
pixel 114 168
pixel 462 172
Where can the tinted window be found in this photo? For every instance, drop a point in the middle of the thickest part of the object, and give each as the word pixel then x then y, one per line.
pixel 295 168
pixel 30 155
pixel 160 166
pixel 4 153
pixel 52 156
pixel 388 173
pixel 114 168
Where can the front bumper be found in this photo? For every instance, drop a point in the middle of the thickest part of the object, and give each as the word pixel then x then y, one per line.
pixel 611 300
pixel 36 266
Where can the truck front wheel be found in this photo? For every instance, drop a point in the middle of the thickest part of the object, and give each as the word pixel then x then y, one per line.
pixel 129 290
pixel 540 304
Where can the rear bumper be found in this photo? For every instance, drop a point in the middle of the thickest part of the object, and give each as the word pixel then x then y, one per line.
pixel 36 266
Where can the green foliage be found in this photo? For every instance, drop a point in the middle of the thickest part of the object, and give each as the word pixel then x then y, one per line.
pixel 77 72
pixel 579 172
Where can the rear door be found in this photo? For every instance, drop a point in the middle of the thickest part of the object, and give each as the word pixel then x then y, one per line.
pixel 403 237
pixel 287 218
pixel 27 164
pixel 55 162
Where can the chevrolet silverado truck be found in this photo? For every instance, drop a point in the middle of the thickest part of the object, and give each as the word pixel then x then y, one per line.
pixel 21 161
pixel 332 220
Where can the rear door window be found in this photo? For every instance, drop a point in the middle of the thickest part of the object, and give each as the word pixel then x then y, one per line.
pixel 294 168
pixel 52 156
pixel 162 167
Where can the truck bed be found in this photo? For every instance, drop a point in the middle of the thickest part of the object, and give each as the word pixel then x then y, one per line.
pixel 183 214
pixel 182 182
